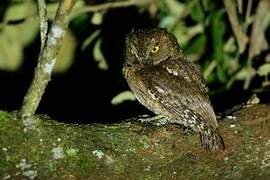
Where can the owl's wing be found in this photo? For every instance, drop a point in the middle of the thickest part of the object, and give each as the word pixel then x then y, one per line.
pixel 181 91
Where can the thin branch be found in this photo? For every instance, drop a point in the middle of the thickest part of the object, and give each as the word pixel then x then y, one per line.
pixel 258 40
pixel 42 9
pixel 109 5
pixel 240 6
pixel 248 12
pixel 47 59
pixel 210 68
pixel 86 9
pixel 241 37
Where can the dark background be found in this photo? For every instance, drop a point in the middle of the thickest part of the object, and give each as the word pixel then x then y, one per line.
pixel 83 94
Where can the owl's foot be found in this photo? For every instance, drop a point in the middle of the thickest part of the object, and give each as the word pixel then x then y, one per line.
pixel 157 120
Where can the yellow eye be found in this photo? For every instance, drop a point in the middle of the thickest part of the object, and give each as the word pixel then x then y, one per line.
pixel 155 49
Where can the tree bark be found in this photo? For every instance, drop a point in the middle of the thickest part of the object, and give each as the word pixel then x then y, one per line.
pixel 133 150
pixel 50 47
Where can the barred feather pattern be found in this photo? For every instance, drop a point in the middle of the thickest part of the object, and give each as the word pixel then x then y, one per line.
pixel 210 136
pixel 175 108
pixel 169 85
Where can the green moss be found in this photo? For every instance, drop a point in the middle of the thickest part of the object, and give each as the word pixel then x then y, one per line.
pixel 57 150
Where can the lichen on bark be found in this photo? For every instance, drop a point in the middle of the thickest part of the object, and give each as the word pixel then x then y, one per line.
pixel 131 150
pixel 50 47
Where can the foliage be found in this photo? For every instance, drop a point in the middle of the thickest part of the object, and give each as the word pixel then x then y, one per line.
pixel 228 39
pixel 221 44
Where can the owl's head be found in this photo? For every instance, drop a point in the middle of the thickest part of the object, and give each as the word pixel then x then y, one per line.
pixel 150 47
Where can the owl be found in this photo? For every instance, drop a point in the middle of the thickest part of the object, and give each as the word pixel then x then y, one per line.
pixel 165 82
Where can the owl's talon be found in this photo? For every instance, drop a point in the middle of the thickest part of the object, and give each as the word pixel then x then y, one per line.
pixel 157 120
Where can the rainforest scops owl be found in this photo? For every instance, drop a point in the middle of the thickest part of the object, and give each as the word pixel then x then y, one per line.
pixel 165 82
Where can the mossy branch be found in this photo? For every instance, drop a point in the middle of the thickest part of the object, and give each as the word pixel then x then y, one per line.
pixel 132 150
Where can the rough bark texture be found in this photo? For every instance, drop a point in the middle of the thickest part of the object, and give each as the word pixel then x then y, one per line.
pixel 47 57
pixel 132 150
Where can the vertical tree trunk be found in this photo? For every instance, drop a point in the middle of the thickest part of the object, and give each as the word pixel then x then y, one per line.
pixel 48 54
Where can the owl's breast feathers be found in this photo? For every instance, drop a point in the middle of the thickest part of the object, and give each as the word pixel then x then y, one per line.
pixel 174 89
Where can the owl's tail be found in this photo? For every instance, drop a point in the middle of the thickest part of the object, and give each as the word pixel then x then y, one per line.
pixel 212 140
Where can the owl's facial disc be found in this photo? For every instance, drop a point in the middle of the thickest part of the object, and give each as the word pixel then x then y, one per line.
pixel 138 57
pixel 135 53
pixel 149 51
pixel 150 47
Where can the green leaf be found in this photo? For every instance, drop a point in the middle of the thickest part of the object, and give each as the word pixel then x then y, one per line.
pixel 197 45
pixel 217 34
pixel 11 54
pixel 230 45
pixel 123 96
pixel 209 5
pixel 167 21
pixel 179 31
pixel 90 39
pixel 208 69
pixel 170 12
pixel 244 74
pixel 13 38
pixel 264 69
pixel 97 18
pixel 221 74
pixel 174 7
pixel 66 55
pixel 99 57
pixel 24 32
pixel 196 11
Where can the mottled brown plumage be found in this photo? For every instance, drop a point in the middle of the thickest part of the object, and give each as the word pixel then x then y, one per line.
pixel 165 82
